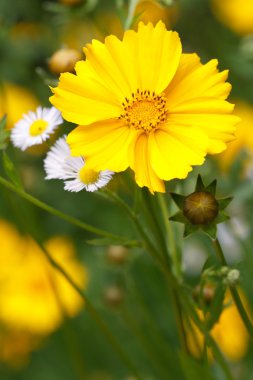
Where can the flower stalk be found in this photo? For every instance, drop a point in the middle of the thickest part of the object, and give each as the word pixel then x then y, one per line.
pixel 233 290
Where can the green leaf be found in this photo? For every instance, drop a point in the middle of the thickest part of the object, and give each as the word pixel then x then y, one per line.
pixel 194 370
pixel 216 306
pixel 107 242
pixel 190 229
pixel 224 202
pixel 11 171
pixel 4 133
pixel 212 187
pixel 179 217
pixel 200 185
pixel 210 230
pixel 222 217
pixel 178 199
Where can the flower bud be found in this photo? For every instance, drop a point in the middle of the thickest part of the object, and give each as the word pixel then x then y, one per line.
pixel 232 278
pixel 205 294
pixel 200 208
pixel 64 60
pixel 117 254
pixel 113 296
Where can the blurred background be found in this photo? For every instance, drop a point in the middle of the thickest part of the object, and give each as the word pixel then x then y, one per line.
pixel 45 330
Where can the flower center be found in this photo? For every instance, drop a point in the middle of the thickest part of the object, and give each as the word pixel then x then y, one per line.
pixel 38 127
pixel 145 111
pixel 88 176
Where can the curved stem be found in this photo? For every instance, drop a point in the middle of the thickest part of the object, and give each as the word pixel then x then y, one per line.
pixel 59 214
pixel 234 292
pixel 93 313
pixel 170 236
pixel 130 15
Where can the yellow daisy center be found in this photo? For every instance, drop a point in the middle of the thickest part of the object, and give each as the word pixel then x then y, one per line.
pixel 38 127
pixel 145 110
pixel 88 176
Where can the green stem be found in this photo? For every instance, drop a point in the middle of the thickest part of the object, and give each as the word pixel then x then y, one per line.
pixel 145 343
pixel 155 225
pixel 219 357
pixel 130 14
pixel 234 292
pixel 179 321
pixel 189 308
pixel 148 242
pixel 170 236
pixel 59 214
pixel 151 248
pixel 93 313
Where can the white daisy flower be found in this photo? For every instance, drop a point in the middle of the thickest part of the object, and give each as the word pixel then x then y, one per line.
pixel 35 127
pixel 59 164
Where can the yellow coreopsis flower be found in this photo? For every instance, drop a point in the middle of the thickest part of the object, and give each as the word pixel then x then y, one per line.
pixel 15 101
pixel 236 14
pixel 141 103
pixel 229 333
pixel 244 136
pixel 34 297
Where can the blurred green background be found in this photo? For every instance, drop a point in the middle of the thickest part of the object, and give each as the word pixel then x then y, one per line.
pixel 140 315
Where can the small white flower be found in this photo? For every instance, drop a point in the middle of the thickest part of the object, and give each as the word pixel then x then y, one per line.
pixel 35 127
pixel 59 164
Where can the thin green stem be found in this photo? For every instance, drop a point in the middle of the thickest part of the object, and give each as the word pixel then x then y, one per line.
pixel 179 320
pixel 59 214
pixel 151 248
pixel 130 14
pixel 219 357
pixel 170 236
pixel 93 313
pixel 148 242
pixel 189 308
pixel 234 292
pixel 145 343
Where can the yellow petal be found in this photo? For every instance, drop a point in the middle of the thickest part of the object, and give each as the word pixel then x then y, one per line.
pixel 83 101
pixel 175 150
pixel 158 55
pixel 103 144
pixel 140 163
pixel 219 128
pixel 194 80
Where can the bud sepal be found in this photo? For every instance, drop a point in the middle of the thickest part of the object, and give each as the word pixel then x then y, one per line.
pixel 201 210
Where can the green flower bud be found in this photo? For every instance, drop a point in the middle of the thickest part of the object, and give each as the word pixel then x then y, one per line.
pixel 200 208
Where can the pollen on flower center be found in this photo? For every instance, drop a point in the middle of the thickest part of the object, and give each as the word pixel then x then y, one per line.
pixel 38 127
pixel 145 110
pixel 88 176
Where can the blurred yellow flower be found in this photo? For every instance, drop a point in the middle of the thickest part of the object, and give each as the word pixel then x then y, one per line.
pixel 15 347
pixel 159 111
pixel 229 333
pixel 244 136
pixel 34 297
pixel 15 101
pixel 236 14
pixel 153 11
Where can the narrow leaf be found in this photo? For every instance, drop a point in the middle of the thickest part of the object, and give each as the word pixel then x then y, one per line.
pixel 10 171
pixel 212 187
pixel 107 241
pixel 210 230
pixel 200 185
pixel 178 199
pixel 179 217
pixel 224 202
pixel 190 229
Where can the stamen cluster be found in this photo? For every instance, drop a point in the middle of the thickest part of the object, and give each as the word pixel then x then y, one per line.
pixel 145 110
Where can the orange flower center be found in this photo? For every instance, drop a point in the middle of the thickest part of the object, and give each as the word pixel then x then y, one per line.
pixel 145 111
